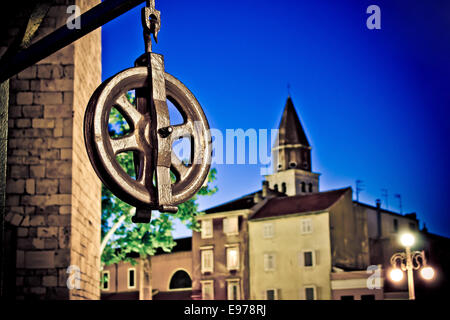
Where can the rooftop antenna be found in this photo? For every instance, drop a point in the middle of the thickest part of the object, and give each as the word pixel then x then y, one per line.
pixel 399 197
pixel 289 89
pixel 359 188
pixel 385 195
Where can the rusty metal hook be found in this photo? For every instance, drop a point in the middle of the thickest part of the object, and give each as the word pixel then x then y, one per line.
pixel 151 23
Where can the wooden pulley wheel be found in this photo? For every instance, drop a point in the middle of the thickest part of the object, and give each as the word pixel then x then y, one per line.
pixel 162 180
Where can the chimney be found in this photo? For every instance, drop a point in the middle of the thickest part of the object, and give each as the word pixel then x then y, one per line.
pixel 265 188
pixel 257 197
pixel 378 203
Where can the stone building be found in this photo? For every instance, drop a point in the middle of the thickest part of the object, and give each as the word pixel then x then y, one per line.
pixel 171 276
pixel 294 241
pixel 52 209
pixel 285 241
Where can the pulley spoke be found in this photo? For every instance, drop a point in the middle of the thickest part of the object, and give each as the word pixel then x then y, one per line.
pixel 178 166
pixel 127 143
pixel 181 130
pixel 128 110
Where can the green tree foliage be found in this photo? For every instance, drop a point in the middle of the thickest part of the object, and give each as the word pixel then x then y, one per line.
pixel 144 238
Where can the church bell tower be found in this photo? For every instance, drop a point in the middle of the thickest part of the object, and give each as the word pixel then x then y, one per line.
pixel 291 157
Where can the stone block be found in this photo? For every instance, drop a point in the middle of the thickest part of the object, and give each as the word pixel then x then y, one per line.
pixel 28 73
pixel 15 186
pixel 32 111
pixel 47 186
pixel 47 98
pixel 24 98
pixel 59 199
pixel 47 232
pixel 58 169
pixel 65 210
pixel 39 259
pixel 65 185
pixel 23 123
pixel 43 123
pixel 38 243
pixel 30 186
pixel 49 281
pixel 58 111
pixel 19 171
pixel 62 258
pixel 66 154
pixel 37 171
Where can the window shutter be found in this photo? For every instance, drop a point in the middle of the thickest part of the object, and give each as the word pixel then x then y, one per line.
pixel 301 262
pixel 226 225
pixel 207 260
pixel 301 294
pixel 269 261
pixel 268 230
pixel 206 229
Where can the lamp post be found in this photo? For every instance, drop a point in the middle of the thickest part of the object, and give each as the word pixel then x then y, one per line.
pixel 409 261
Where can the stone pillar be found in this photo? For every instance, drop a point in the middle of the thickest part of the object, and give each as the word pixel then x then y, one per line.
pixel 53 196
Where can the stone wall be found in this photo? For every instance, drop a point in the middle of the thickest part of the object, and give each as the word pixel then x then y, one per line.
pixel 53 196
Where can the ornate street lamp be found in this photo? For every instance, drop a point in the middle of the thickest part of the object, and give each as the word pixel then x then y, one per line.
pixel 409 261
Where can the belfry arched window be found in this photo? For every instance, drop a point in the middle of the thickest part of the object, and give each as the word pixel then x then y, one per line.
pixel 283 187
pixel 310 187
pixel 303 187
pixel 180 280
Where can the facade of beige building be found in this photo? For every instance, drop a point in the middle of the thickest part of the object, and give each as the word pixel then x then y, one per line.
pixel 278 248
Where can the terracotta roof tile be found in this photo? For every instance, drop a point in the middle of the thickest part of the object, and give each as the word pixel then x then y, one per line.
pixel 281 206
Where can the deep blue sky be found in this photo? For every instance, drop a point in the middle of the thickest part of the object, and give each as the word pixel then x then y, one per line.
pixel 374 103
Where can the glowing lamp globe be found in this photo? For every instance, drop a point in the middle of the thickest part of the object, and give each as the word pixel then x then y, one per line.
pixel 427 273
pixel 396 275
pixel 407 239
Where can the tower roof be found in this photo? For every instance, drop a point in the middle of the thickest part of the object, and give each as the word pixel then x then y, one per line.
pixel 290 129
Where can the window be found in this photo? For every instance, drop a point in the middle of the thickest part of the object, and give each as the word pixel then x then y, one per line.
pixel 233 289
pixel 233 257
pixel 310 187
pixel 271 294
pixel 308 260
pixel 230 226
pixel 268 230
pixel 131 278
pixel 368 297
pixel 283 187
pixel 303 187
pixel 207 229
pixel 207 256
pixel 207 289
pixel 292 164
pixel 412 226
pixel 105 280
pixel 347 298
pixel 395 226
pixel 306 226
pixel 180 280
pixel 275 187
pixel 310 293
pixel 269 262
